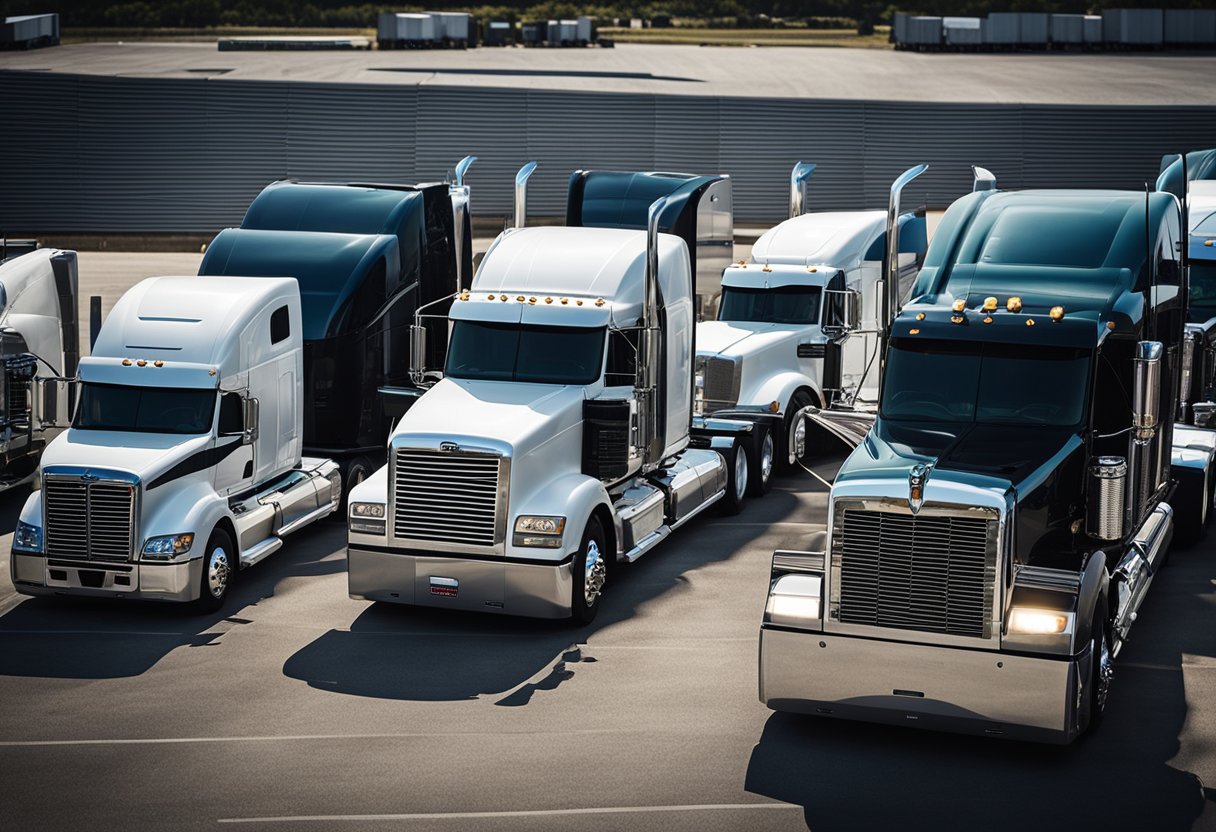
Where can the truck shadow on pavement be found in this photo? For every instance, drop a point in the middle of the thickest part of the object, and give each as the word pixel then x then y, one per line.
pixel 1120 777
pixel 87 638
pixel 419 653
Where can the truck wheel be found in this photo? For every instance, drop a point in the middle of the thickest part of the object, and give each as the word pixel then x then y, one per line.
pixel 797 435
pixel 220 565
pixel 1102 673
pixel 590 571
pixel 737 475
pixel 763 457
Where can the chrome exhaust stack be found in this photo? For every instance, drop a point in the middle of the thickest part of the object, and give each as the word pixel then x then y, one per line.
pixel 461 220
pixel 647 385
pixel 521 194
pixel 890 280
pixel 1146 410
pixel 799 176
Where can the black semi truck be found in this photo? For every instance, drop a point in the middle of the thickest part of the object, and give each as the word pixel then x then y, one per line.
pixel 367 256
pixel 992 538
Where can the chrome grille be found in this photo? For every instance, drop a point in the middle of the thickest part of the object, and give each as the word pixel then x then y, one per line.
pixel 926 572
pixel 448 497
pixel 722 378
pixel 89 520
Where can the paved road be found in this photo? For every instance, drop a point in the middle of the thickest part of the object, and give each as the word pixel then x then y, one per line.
pixel 303 709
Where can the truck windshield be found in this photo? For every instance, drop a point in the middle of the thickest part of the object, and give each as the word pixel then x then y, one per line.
pixel 144 409
pixel 1203 292
pixel 539 354
pixel 946 381
pixel 781 305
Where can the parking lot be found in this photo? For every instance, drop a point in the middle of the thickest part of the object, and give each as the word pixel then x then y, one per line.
pixel 300 708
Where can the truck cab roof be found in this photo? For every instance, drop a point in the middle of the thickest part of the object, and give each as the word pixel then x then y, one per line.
pixel 203 332
pixel 558 275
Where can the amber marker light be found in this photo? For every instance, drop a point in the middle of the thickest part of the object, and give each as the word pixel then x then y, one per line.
pixel 548 300
pixel 491 297
pixel 565 301
pixel 158 363
pixel 989 304
pixel 1030 322
pixel 1014 304
pixel 1209 243
pixel 988 319
pixel 464 295
pixel 773 407
pixel 959 305
pixel 599 301
pixel 531 301
pixel 578 303
pixel 502 298
pixel 914 332
pixel 519 298
pixel 1110 325
pixel 920 316
pixel 126 362
pixel 143 362
pixel 957 319
pixel 1057 313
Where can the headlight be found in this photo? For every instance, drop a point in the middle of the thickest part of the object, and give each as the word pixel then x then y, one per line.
pixel 367 518
pixel 542 531
pixel 1038 622
pixel 168 547
pixel 795 601
pixel 27 538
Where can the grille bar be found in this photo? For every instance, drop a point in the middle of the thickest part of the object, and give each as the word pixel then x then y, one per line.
pixel 931 573
pixel 448 497
pixel 89 520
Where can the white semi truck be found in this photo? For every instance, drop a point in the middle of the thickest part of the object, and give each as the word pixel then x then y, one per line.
pixel 183 461
pixel 39 343
pixel 798 323
pixel 561 440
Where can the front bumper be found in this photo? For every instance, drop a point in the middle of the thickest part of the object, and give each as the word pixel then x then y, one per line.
pixel 922 686
pixel 490 584
pixel 38 575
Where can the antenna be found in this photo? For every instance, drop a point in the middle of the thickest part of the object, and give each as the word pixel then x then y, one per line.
pixel 1148 253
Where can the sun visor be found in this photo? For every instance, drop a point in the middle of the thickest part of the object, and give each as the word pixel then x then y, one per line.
pixel 153 373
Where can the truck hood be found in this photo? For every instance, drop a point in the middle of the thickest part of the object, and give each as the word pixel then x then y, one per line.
pixel 740 338
pixel 147 455
pixel 1000 457
pixel 523 416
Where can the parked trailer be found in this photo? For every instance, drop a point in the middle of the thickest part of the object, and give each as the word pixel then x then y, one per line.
pixel 1068 30
pixel 400 30
pixel 366 257
pixel 1144 28
pixel 1190 27
pixel 182 464
pixel 499 33
pixel 454 29
pixel 1024 479
pixel 561 441
pixel 30 31
pixel 924 33
pixel 534 32
pixel 1093 30
pixel 963 33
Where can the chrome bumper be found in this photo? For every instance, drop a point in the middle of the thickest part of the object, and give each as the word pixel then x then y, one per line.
pixel 396 576
pixel 922 686
pixel 38 575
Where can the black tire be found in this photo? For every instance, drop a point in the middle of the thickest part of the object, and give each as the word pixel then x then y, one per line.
pixel 1192 504
pixel 800 399
pixel 355 472
pixel 583 604
pixel 1102 671
pixel 762 453
pixel 221 562
pixel 738 472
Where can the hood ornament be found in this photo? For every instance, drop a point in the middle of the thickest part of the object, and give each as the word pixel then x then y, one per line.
pixel 448 447
pixel 89 476
pixel 916 486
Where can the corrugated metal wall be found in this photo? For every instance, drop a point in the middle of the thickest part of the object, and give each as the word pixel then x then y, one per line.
pixel 104 154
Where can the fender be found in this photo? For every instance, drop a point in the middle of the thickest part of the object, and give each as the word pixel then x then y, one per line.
pixel 780 388
pixel 573 496
pixel 31 512
pixel 1095 587
pixel 193 507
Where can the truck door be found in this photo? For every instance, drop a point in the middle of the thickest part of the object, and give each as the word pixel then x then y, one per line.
pixel 234 470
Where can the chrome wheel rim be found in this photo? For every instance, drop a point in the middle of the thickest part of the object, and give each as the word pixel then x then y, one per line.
pixel 594 573
pixel 799 438
pixel 218 572
pixel 1106 673
pixel 740 473
pixel 766 458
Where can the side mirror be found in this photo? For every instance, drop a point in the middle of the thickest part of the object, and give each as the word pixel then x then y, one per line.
pixel 417 353
pixel 52 401
pixel 843 311
pixel 250 434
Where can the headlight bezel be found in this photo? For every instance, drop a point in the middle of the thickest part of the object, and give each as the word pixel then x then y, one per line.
pixel 539 531
pixel 167 548
pixel 367 518
pixel 21 538
pixel 795 599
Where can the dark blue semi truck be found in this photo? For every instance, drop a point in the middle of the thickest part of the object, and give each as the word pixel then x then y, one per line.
pixel 366 258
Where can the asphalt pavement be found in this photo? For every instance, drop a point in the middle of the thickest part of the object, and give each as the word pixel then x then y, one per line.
pixel 299 708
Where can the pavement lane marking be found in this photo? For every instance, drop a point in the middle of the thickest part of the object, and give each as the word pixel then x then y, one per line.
pixel 315 737
pixel 527 813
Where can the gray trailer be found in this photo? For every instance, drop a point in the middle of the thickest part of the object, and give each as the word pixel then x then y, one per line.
pixel 29 31
pixel 1190 27
pixel 1140 28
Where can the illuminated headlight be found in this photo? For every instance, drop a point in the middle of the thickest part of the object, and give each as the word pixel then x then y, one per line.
pixel 367 518
pixel 539 531
pixel 27 538
pixel 1037 622
pixel 795 601
pixel 168 547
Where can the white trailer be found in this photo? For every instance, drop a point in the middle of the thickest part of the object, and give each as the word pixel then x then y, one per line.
pixel 183 461
pixel 798 324
pixel 561 440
